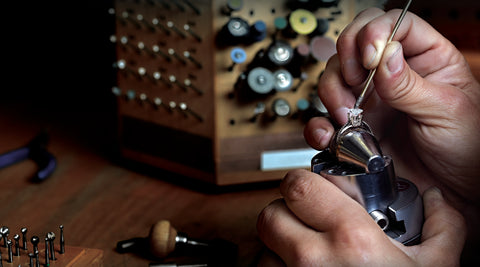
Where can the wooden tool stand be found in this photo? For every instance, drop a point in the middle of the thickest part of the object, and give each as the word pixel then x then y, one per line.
pixel 194 93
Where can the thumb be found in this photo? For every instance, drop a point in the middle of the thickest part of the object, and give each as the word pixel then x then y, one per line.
pixel 444 230
pixel 402 88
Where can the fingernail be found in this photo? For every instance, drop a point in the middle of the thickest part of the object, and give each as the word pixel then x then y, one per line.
pixel 395 59
pixel 370 53
pixel 435 192
pixel 341 115
pixel 322 137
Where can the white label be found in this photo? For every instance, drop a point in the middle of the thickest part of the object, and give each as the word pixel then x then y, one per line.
pixel 287 159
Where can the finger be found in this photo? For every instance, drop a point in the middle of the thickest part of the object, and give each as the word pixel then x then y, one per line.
pixel 334 93
pixel 317 132
pixel 338 97
pixel 283 233
pixel 444 230
pixel 373 37
pixel 403 89
pixel 350 60
pixel 320 204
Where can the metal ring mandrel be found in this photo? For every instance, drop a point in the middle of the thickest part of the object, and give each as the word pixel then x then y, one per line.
pixel 358 146
pixel 355 164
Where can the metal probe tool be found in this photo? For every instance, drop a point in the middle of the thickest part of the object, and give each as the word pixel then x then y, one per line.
pixel 364 94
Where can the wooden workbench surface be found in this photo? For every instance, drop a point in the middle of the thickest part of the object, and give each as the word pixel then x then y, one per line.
pixel 100 201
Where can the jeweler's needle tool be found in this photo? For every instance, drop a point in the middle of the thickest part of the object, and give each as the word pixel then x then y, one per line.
pixel 364 94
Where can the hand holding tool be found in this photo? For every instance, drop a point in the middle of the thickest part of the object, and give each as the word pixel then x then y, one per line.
pixel 363 95
pixel 355 163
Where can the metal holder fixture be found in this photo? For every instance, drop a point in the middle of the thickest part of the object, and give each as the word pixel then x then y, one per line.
pixel 354 162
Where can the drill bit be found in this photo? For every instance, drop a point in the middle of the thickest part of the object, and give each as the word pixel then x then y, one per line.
pixel 364 94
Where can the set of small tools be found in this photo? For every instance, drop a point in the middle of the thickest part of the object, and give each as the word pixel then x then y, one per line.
pixel 14 248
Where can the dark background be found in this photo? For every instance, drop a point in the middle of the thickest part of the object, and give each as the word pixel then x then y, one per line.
pixel 57 71
pixel 57 55
pixel 56 59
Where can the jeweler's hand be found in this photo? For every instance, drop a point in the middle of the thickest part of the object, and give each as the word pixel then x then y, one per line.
pixel 316 224
pixel 425 113
pixel 425 109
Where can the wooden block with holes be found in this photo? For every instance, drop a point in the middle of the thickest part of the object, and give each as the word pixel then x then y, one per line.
pixel 178 93
pixel 73 256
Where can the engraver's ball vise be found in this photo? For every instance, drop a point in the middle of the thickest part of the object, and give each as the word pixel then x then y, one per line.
pixel 354 162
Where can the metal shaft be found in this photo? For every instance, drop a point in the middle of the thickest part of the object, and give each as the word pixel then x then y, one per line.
pixel 24 237
pixel 62 240
pixel 47 254
pixel 364 94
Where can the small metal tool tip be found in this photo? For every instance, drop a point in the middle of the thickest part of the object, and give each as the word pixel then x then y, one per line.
pixel 35 239
pixel 51 235
pixel 62 240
